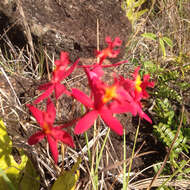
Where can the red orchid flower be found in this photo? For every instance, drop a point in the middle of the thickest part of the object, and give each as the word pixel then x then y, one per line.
pixel 100 104
pixel 59 74
pixel 109 52
pixel 53 134
pixel 137 90
pixel 140 86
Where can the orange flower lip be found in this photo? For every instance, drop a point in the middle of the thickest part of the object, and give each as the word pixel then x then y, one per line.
pixel 46 128
pixel 138 83
pixel 110 93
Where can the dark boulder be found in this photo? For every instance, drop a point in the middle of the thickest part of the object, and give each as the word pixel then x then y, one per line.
pixel 69 25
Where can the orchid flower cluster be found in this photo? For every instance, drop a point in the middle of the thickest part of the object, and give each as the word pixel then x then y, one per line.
pixel 124 95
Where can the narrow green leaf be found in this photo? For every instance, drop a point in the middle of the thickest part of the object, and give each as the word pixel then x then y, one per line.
pixel 128 2
pixel 162 46
pixel 129 14
pixel 168 41
pixel 140 13
pixel 186 171
pixel 138 3
pixel 150 36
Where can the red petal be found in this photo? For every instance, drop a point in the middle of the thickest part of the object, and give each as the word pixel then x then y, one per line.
pixel 108 40
pixel 146 78
pixel 82 97
pixel 141 113
pixel 53 147
pixel 113 53
pixel 96 72
pixel 123 108
pixel 136 72
pixel 117 42
pixel 35 138
pixel 45 94
pixel 63 137
pixel 59 89
pixel 50 108
pixel 111 122
pixel 38 114
pixel 70 70
pixel 146 82
pixel 145 116
pixel 58 75
pixel 127 84
pixel 44 86
pixel 50 113
pixel 64 59
pixel 86 122
pixel 115 64
pixel 61 73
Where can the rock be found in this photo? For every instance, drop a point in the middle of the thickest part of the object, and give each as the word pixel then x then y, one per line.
pixel 69 25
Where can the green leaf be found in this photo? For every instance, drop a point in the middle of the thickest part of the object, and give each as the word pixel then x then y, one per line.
pixel 7 163
pixel 131 7
pixel 162 46
pixel 68 179
pixel 129 2
pixel 168 41
pixel 30 180
pixel 150 36
pixel 129 14
pixel 186 171
pixel 138 3
pixel 150 67
pixel 140 13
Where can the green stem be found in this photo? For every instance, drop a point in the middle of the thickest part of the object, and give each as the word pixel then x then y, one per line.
pixel 94 177
pixel 133 152
pixel 87 144
pixel 101 151
pixel 124 159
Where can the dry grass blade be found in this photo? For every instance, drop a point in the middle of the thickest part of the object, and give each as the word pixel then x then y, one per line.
pixel 11 86
pixel 141 184
pixel 27 28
